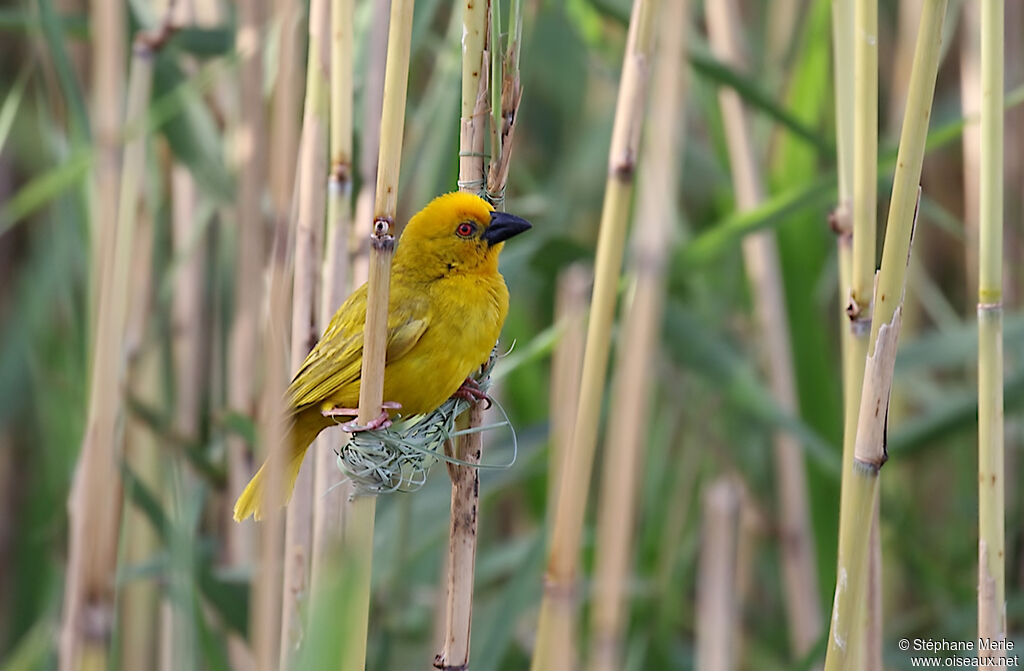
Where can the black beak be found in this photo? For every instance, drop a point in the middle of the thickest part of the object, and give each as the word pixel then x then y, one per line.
pixel 504 226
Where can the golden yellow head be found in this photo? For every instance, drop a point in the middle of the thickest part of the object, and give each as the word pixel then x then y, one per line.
pixel 456 232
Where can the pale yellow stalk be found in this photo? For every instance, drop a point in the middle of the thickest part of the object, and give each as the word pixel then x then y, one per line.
pixel 556 645
pixel 991 467
pixel 94 505
pixel 307 240
pixel 329 495
pixel 361 510
pixel 860 497
pixel 638 345
pixel 760 256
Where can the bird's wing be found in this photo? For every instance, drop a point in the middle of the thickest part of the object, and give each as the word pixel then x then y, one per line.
pixel 333 368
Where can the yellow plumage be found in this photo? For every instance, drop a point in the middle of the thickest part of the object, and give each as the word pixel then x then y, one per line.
pixel 447 306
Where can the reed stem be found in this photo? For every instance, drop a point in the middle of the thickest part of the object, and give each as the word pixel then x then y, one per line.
pixel 860 498
pixel 638 348
pixel 361 510
pixel 760 256
pixel 94 505
pixel 329 496
pixel 717 602
pixel 556 643
pixel 460 568
pixel 991 473
pixel 307 231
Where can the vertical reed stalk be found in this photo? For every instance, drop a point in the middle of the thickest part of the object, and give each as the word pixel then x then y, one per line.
pixel 566 365
pixel 717 610
pixel 307 231
pixel 187 346
pixel 360 513
pixel 862 38
pixel 138 600
pixel 373 96
pixel 556 644
pixel 94 505
pixel 991 506
pixel 627 432
pixel 860 496
pixel 460 569
pixel 970 141
pixel 244 337
pixel 329 496
pixel 108 26
pixel 286 105
pixel 760 255
pixel 841 221
pixel 265 617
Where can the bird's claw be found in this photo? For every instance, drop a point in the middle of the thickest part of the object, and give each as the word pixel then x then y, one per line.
pixel 381 421
pixel 471 391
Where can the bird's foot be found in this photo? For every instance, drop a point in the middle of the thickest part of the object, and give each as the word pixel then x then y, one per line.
pixel 471 391
pixel 381 421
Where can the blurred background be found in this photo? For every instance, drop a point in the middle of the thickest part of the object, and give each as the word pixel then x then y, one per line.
pixel 711 415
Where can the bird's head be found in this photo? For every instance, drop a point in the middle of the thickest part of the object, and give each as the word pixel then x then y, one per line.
pixel 456 232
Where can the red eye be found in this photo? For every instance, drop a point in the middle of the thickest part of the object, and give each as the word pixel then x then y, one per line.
pixel 465 229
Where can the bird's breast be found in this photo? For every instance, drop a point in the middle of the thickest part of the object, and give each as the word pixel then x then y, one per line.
pixel 466 316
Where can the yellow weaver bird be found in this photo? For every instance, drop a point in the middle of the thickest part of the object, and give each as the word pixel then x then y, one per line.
pixel 447 305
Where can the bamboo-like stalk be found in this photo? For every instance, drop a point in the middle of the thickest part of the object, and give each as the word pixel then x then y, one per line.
pixel 970 141
pixel 107 23
pixel 360 513
pixel 991 472
pixel 307 242
pixel 760 256
pixel 265 615
pixel 244 337
pixel 138 600
pixel 571 294
pixel 286 106
pixel 373 97
pixel 460 568
pixel 717 612
pixel 627 431
pixel 556 644
pixel 329 496
pixel 178 643
pixel 94 505
pixel 859 500
pixel 858 280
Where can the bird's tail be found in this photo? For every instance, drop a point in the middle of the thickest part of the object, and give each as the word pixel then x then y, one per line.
pixel 256 499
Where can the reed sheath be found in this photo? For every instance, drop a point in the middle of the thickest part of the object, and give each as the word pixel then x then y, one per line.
pixel 717 614
pixel 860 497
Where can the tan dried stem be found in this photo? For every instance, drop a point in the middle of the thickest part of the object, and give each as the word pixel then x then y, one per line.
pixel 761 258
pixel 638 346
pixel 307 239
pixel 556 644
pixel 361 510
pixel 329 495
pixel 717 614
pixel 94 504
